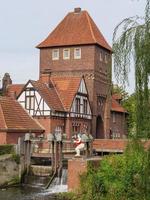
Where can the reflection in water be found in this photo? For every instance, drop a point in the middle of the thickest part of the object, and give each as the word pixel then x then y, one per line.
pixel 25 193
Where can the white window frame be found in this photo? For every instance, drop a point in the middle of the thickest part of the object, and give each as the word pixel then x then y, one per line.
pixel 64 56
pixel 101 56
pixel 106 58
pixel 75 53
pixel 55 57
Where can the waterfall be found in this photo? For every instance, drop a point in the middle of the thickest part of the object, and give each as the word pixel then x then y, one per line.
pixel 59 184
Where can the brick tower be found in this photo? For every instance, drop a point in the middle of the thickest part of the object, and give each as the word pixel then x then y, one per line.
pixel 76 47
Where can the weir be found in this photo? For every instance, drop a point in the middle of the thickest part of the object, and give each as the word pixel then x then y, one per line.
pixel 52 174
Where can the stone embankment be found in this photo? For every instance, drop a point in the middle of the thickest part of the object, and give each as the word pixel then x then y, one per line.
pixel 9 171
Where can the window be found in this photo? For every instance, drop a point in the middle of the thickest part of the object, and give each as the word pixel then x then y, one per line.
pixel 76 127
pixel 66 54
pixel 77 104
pixel 106 58
pixel 77 53
pixel 85 106
pixel 101 56
pixel 114 117
pixel 55 54
pixel 29 102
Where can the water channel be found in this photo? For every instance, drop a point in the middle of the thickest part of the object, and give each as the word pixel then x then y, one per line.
pixel 26 193
pixel 34 189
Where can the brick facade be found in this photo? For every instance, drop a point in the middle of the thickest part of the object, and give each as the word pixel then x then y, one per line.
pixel 3 139
pixel 97 77
pixel 76 167
pixel 118 125
pixel 65 123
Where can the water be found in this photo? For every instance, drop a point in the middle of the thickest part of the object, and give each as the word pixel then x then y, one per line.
pixel 59 184
pixel 36 192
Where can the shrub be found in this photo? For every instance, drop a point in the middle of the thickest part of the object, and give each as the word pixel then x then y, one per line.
pixel 6 149
pixel 119 177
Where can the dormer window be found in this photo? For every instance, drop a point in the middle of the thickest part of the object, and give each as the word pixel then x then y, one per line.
pixel 55 54
pixel 66 54
pixel 77 53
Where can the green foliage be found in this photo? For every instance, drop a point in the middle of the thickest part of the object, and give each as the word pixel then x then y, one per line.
pixel 6 149
pixel 116 89
pixel 130 105
pixel 119 177
pixel 133 46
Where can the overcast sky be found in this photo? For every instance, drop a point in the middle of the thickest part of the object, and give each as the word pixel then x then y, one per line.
pixel 24 24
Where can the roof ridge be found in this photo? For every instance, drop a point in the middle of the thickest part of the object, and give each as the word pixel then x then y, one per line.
pixel 91 30
pixel 58 95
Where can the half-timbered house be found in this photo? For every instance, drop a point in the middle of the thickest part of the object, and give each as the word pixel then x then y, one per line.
pixel 62 104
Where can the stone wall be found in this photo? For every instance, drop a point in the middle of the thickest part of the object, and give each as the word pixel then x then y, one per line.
pixel 9 170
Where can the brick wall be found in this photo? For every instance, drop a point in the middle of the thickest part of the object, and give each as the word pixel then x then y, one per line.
pixel 119 126
pixel 12 138
pixel 86 63
pixel 76 167
pixel 96 71
pixel 3 138
pixel 50 123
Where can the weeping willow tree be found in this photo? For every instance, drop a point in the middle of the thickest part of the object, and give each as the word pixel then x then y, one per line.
pixel 131 46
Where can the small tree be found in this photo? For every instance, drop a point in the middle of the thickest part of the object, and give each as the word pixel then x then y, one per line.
pixel 133 46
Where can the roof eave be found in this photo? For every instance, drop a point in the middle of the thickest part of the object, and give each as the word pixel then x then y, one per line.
pixel 40 46
pixel 12 130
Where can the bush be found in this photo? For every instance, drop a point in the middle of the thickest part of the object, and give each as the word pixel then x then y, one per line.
pixel 6 149
pixel 119 177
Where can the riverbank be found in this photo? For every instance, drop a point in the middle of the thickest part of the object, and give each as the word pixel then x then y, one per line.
pixel 9 171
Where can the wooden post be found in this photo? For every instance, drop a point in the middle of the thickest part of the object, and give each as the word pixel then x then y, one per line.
pixel 28 155
pixel 56 156
pixel 87 149
pixel 60 163
pixel 52 157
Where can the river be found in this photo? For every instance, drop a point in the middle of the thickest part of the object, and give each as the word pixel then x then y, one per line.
pixel 33 189
pixel 26 193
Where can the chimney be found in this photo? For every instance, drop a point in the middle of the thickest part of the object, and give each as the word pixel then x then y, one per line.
pixel 5 82
pixel 77 10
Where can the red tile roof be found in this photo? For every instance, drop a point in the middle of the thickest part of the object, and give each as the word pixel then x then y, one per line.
pixel 67 88
pixel 49 94
pixel 75 29
pixel 115 106
pixel 14 89
pixel 14 118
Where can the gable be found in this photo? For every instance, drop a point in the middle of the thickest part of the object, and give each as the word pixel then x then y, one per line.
pixel 81 105
pixel 33 102
pixel 82 88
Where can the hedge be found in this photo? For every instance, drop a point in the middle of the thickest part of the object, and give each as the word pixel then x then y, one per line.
pixel 6 149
